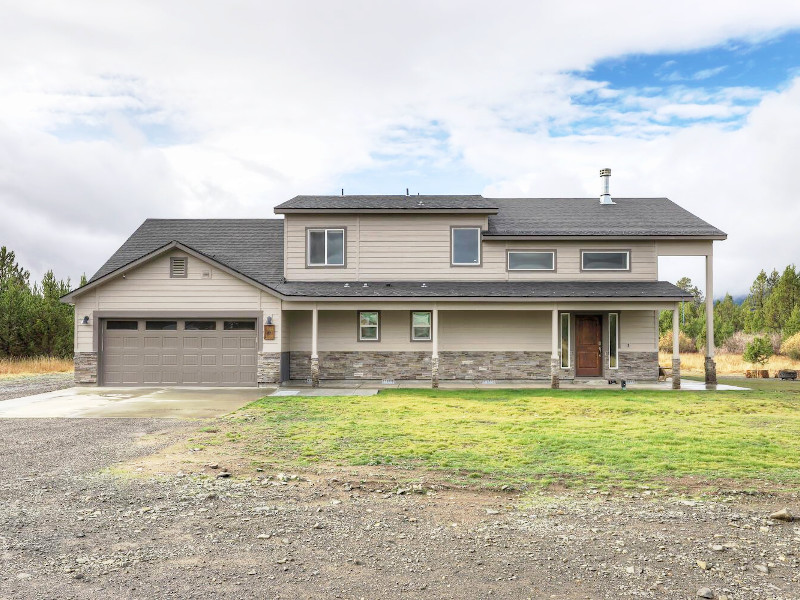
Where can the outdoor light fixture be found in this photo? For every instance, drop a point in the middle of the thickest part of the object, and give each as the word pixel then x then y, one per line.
pixel 86 320
pixel 269 320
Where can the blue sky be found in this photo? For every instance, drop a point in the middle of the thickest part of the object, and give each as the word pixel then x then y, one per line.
pixel 113 113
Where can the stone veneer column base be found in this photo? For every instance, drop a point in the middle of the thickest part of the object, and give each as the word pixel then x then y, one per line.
pixel 711 371
pixel 85 368
pixel 435 372
pixel 676 373
pixel 314 371
pixel 269 368
pixel 555 365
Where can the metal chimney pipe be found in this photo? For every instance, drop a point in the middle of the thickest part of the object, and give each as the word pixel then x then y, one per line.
pixel 605 196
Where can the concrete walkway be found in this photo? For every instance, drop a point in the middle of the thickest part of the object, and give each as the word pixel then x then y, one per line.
pixel 176 403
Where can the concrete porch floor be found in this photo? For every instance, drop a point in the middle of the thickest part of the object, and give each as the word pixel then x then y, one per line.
pixel 368 385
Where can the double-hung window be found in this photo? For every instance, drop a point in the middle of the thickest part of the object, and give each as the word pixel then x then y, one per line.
pixel 325 247
pixel 369 326
pixel 421 326
pixel 605 260
pixel 528 260
pixel 465 246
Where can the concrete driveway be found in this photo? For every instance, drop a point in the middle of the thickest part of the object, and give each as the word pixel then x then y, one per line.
pixel 177 403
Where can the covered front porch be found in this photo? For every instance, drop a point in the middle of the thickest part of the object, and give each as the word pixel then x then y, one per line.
pixel 436 344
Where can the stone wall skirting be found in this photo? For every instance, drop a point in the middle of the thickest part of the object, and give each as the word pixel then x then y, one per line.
pixel 636 365
pixel 472 365
pixel 85 368
pixel 363 365
pixel 269 368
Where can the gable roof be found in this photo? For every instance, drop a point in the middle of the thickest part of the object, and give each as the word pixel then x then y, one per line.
pixel 252 247
pixel 396 203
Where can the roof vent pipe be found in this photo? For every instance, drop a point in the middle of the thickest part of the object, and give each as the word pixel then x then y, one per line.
pixel 605 197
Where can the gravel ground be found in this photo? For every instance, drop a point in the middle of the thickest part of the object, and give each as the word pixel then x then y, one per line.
pixel 70 530
pixel 17 387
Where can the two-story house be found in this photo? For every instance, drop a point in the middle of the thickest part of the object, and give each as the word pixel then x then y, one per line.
pixel 426 288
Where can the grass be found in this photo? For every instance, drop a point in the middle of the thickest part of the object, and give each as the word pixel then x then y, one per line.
pixel 14 367
pixel 530 437
pixel 727 364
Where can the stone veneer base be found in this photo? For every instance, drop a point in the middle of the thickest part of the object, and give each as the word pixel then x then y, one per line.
pixel 269 368
pixel 85 368
pixel 636 366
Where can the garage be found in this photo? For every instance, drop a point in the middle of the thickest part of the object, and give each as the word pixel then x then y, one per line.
pixel 196 351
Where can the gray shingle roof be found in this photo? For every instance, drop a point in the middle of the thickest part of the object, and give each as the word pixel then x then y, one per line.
pixel 486 289
pixel 393 203
pixel 252 247
pixel 586 216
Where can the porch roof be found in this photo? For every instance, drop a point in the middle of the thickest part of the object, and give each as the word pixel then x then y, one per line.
pixel 546 290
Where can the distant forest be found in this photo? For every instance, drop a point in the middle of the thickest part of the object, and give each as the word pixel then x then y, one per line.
pixel 33 322
pixel 771 309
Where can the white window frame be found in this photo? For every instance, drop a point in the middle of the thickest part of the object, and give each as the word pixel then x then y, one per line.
pixel 377 326
pixel 561 338
pixel 452 248
pixel 552 253
pixel 616 338
pixel 326 230
pixel 627 254
pixel 430 326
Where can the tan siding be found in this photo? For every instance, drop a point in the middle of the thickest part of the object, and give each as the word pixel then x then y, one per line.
pixel 683 247
pixel 638 331
pixel 150 288
pixel 458 330
pixel 417 247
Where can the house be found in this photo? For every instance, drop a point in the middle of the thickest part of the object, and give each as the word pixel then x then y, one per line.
pixel 428 288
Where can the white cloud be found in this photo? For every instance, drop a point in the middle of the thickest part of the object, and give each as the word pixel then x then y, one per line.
pixel 113 112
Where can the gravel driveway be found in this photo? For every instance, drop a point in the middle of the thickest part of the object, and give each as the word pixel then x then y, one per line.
pixel 19 387
pixel 70 530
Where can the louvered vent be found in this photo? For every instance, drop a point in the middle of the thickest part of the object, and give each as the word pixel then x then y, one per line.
pixel 177 267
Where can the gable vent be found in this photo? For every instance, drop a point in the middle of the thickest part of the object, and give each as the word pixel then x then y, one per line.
pixel 177 267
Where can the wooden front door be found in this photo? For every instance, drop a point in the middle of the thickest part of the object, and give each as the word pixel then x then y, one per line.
pixel 588 346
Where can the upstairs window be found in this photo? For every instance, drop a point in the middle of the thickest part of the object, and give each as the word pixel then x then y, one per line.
pixel 603 260
pixel 466 246
pixel 177 267
pixel 325 247
pixel 531 261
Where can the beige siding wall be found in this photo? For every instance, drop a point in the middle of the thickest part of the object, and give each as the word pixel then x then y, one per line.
pixel 638 331
pixel 149 288
pixel 460 330
pixel 417 247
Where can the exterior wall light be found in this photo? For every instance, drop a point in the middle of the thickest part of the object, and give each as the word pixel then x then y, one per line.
pixel 85 320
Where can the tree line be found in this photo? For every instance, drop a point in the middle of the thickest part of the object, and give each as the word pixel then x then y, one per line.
pixel 771 310
pixel 33 321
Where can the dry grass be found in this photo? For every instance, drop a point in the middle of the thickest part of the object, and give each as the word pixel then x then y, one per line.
pixel 12 367
pixel 727 364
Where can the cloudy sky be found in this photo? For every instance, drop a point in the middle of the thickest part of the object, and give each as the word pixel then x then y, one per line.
pixel 111 112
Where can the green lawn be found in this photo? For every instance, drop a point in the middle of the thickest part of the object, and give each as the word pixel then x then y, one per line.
pixel 533 436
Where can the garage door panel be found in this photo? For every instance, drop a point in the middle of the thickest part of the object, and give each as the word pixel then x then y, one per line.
pixel 208 357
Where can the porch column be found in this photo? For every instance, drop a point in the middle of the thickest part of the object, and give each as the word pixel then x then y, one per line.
pixel 555 361
pixel 711 366
pixel 676 348
pixel 314 354
pixel 435 348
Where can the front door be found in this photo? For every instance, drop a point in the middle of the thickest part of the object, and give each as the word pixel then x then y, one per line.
pixel 588 346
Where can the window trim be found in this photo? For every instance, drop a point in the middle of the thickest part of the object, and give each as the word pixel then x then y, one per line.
pixel 534 251
pixel 411 323
pixel 561 340
pixel 185 260
pixel 341 228
pixel 626 251
pixel 480 245
pixel 616 337
pixel 358 326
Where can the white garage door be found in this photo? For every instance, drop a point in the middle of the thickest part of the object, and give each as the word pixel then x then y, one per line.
pixel 202 352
